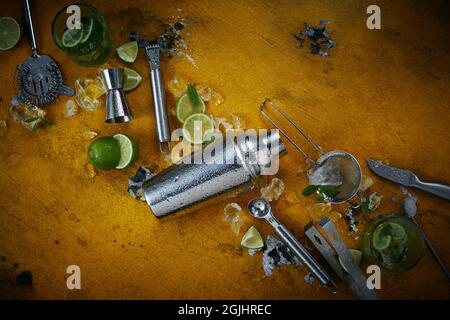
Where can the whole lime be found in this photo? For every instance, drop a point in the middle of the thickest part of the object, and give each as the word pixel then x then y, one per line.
pixel 104 153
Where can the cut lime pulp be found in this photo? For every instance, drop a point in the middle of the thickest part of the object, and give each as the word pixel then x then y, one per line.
pixel 129 151
pixel 131 79
pixel 196 127
pixel 381 239
pixel 72 37
pixel 252 239
pixel 87 24
pixel 184 107
pixel 9 33
pixel 128 52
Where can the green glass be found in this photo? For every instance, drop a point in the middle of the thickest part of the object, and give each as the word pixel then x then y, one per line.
pixel 392 242
pixel 89 45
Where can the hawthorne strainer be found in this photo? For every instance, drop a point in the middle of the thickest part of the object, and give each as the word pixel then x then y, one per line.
pixel 38 79
pixel 350 174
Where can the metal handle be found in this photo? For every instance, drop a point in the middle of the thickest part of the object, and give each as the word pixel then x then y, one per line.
pixel 433 251
pixel 29 23
pixel 305 257
pixel 437 189
pixel 296 126
pixel 159 105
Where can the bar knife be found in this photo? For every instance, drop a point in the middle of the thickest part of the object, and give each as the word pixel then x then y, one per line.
pixel 408 179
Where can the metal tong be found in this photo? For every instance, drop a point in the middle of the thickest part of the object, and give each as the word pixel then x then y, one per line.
pixel 353 277
pixel 153 51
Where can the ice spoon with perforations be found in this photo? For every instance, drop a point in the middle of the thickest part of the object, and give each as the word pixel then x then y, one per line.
pixel 38 79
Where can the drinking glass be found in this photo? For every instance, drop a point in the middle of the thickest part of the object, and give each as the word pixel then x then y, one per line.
pixel 89 43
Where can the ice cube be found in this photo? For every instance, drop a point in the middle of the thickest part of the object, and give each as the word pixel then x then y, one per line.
pixel 89 135
pixel 328 173
pixel 177 86
pixel 3 124
pixel 274 190
pixel 277 254
pixel 88 93
pixel 135 182
pixel 90 170
pixel 318 211
pixel 309 278
pixel 71 108
pixel 222 124
pixel 366 183
pixel 232 213
pixel 28 116
pixel 374 201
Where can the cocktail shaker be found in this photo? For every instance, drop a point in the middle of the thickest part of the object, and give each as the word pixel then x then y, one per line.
pixel 232 166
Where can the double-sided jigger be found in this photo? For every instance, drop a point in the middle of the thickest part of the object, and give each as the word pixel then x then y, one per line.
pixel 117 110
pixel 260 208
pixel 346 164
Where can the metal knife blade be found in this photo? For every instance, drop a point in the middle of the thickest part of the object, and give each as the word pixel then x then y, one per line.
pixel 400 176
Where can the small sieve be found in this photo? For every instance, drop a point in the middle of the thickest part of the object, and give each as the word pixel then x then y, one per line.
pixel 349 168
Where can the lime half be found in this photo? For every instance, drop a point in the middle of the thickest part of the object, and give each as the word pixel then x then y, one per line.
pixel 184 107
pixel 9 33
pixel 87 24
pixel 356 255
pixel 381 239
pixel 131 79
pixel 104 153
pixel 252 239
pixel 129 151
pixel 197 127
pixel 128 52
pixel 72 37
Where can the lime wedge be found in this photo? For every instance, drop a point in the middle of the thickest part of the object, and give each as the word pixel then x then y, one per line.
pixel 87 24
pixel 128 52
pixel 381 239
pixel 9 33
pixel 72 37
pixel 184 107
pixel 196 127
pixel 129 151
pixel 252 239
pixel 356 255
pixel 131 79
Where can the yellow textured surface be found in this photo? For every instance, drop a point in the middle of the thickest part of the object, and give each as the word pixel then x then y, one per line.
pixel 383 94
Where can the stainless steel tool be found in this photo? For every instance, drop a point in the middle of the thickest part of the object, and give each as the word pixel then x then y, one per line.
pixel 153 51
pixel 38 79
pixel 352 275
pixel 409 208
pixel 347 164
pixel 260 208
pixel 233 167
pixel 117 110
pixel 408 179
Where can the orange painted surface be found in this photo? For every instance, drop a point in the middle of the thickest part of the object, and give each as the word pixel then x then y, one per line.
pixel 383 94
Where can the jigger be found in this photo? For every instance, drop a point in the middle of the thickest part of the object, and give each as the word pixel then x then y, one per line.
pixel 260 208
pixel 117 110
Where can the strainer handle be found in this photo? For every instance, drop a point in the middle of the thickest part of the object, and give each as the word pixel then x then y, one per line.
pixel 29 23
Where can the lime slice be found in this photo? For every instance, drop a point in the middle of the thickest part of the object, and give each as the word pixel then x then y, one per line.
pixel 131 79
pixel 381 239
pixel 104 153
pixel 9 33
pixel 252 239
pixel 184 107
pixel 196 127
pixel 72 37
pixel 396 231
pixel 129 151
pixel 128 52
pixel 356 255
pixel 87 24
